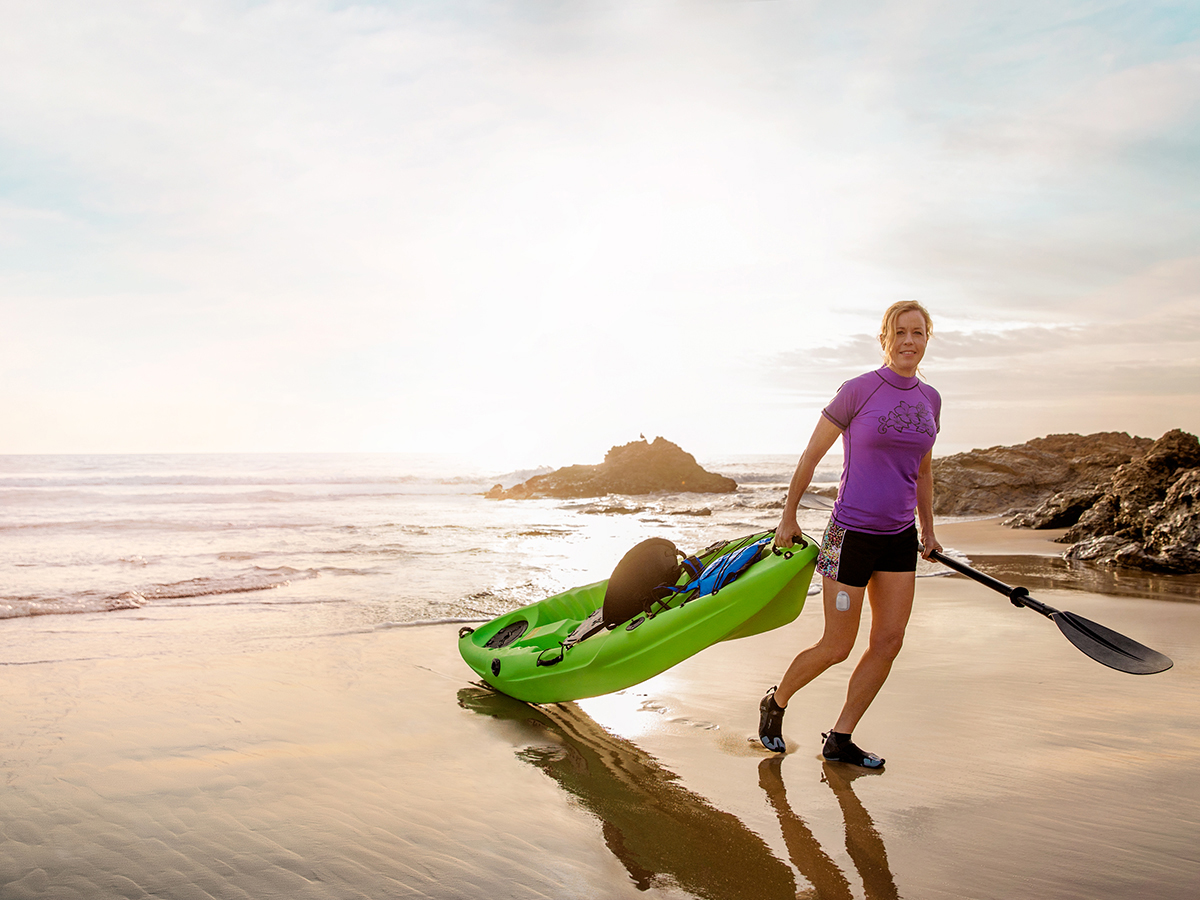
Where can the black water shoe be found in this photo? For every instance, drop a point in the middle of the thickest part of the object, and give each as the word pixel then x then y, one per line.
pixel 770 723
pixel 839 748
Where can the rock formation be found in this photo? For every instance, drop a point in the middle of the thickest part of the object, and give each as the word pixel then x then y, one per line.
pixel 1147 515
pixel 1124 501
pixel 635 468
pixel 1171 532
pixel 1002 479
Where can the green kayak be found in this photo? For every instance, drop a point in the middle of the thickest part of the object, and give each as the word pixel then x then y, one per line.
pixel 546 653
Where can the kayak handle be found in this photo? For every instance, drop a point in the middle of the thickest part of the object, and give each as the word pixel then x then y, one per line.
pixel 543 660
pixel 786 553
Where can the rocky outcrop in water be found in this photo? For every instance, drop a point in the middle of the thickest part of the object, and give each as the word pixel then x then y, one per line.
pixel 639 467
pixel 1004 479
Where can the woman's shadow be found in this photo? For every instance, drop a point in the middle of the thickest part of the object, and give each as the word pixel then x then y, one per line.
pixel 665 834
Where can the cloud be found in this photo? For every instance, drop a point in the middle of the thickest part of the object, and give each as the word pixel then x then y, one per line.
pixel 1134 365
pixel 408 225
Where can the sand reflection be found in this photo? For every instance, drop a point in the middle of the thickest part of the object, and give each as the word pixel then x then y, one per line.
pixel 664 834
pixel 661 832
pixel 863 841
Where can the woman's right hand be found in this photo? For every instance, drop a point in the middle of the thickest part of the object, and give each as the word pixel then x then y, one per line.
pixel 787 532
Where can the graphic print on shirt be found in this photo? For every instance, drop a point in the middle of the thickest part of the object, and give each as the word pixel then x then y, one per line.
pixel 907 417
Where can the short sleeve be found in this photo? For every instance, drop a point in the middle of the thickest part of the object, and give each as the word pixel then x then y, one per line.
pixel 843 406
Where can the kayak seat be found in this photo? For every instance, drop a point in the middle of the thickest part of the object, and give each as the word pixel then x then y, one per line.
pixel 646 573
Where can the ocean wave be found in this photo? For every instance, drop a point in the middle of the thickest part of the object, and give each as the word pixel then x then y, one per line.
pixel 56 482
pixel 86 602
pixel 256 579
pixel 774 469
pixel 49 499
pixel 422 623
pixel 491 602
pixel 156 525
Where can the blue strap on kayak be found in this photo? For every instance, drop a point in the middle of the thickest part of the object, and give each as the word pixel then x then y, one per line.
pixel 727 568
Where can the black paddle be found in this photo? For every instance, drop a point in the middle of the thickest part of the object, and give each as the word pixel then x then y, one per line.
pixel 1102 644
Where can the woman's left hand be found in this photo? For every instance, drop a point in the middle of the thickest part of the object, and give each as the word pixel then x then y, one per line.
pixel 928 544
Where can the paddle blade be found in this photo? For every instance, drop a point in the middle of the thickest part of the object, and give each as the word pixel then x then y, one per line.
pixel 1107 646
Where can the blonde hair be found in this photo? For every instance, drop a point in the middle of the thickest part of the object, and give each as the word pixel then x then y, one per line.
pixel 887 329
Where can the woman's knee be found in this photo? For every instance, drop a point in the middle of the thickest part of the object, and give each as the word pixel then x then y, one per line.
pixel 887 645
pixel 835 650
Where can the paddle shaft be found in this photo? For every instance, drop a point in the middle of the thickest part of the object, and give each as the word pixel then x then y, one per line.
pixel 1019 596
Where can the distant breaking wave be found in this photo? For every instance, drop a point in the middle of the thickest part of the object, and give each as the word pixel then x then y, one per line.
pixel 256 579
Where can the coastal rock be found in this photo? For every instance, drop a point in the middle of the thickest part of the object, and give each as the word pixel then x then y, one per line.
pixel 1137 486
pixel 999 479
pixel 1061 510
pixel 638 467
pixel 1147 516
pixel 1172 528
pixel 1109 547
pixel 1125 501
pixel 1166 538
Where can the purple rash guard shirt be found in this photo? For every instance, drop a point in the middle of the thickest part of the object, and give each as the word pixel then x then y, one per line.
pixel 888 423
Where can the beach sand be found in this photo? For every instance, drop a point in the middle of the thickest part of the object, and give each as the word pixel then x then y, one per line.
pixel 191 761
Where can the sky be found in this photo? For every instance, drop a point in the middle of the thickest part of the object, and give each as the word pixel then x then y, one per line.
pixel 529 231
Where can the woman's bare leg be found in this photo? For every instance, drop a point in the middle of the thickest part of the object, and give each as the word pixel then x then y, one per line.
pixel 837 640
pixel 891 597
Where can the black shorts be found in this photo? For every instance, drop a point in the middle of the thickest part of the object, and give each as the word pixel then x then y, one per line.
pixel 852 557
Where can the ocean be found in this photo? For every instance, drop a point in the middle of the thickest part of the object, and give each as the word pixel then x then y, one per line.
pixel 305 544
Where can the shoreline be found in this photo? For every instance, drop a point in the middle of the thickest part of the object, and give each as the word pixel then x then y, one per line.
pixel 1031 558
pixel 174 760
pixel 988 537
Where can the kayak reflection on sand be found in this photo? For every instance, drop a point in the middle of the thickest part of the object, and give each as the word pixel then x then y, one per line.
pixel 654 826
pixel 657 828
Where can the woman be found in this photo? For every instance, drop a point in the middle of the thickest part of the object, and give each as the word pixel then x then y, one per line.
pixel 888 421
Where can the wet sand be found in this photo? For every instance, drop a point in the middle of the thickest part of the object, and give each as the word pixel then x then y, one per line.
pixel 183 762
